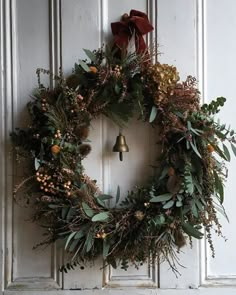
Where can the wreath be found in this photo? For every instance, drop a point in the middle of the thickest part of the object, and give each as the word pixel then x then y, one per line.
pixel 184 192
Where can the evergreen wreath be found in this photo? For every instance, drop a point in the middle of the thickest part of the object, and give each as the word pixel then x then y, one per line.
pixel 186 189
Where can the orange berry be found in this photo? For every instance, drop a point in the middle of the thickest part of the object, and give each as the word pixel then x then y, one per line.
pixel 171 171
pixel 210 148
pixel 93 70
pixel 55 149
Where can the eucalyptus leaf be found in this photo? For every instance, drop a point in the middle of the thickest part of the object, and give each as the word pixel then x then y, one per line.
pixel 118 194
pixel 164 172
pixel 159 220
pixel 179 204
pixel 226 152
pixel 101 203
pixel 36 163
pixel 53 206
pixel 191 231
pixel 73 245
pixel 64 211
pixel 153 114
pixel 219 186
pixel 161 198
pixel 90 55
pixel 89 241
pixel 169 204
pixel 70 237
pixel 233 149
pixel 189 125
pixel 103 216
pixel 106 248
pixel 87 210
pixel 84 65
pixel 194 209
pixel 117 89
pixel 104 197
pixel 80 234
pixel 194 147
pixel 219 152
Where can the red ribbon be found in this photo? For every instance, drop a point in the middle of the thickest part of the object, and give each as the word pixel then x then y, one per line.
pixel 137 21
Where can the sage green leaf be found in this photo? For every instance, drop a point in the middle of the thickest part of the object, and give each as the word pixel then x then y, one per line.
pixel 104 197
pixel 64 211
pixel 219 186
pixel 90 55
pixel 226 152
pixel 179 204
pixel 87 210
pixel 159 220
pixel 219 151
pixel 161 198
pixel 103 216
pixel 194 209
pixel 117 89
pixel 89 241
pixel 106 248
pixel 168 204
pixel 191 231
pixel 73 245
pixel 69 239
pixel 199 205
pixel 164 172
pixel 153 114
pixel 118 194
pixel 70 214
pixel 36 163
pixel 194 147
pixel 189 125
pixel 233 149
pixel 221 210
pixel 187 145
pixel 84 65
pixel 52 206
pixel 80 234
pixel 100 202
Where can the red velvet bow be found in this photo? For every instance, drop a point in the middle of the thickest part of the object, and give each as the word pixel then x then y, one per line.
pixel 137 21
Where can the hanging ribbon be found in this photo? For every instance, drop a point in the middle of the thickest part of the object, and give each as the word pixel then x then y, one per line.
pixel 136 23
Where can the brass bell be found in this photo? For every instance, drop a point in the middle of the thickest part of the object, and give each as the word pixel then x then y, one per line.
pixel 120 146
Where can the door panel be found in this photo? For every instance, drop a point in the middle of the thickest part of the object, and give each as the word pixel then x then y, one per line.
pixel 220 76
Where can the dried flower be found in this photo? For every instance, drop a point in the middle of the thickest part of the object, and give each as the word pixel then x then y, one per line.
pixel 210 148
pixel 55 149
pixel 139 215
pixel 93 69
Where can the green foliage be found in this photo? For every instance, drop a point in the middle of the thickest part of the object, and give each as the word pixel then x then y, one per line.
pixel 102 217
pixel 187 184
pixel 214 106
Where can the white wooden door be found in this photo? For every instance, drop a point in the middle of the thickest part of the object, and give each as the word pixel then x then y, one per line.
pixel 195 35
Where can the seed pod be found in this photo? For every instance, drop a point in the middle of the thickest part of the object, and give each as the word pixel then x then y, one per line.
pixel 82 132
pixel 139 215
pixel 84 149
pixel 72 81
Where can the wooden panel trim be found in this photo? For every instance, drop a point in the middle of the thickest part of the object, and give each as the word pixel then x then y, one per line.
pixel 8 91
pixel 205 278
pixel 8 111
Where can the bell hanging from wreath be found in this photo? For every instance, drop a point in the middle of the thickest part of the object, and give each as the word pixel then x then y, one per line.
pixel 120 146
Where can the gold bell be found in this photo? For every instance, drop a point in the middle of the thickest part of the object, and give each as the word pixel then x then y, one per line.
pixel 120 146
